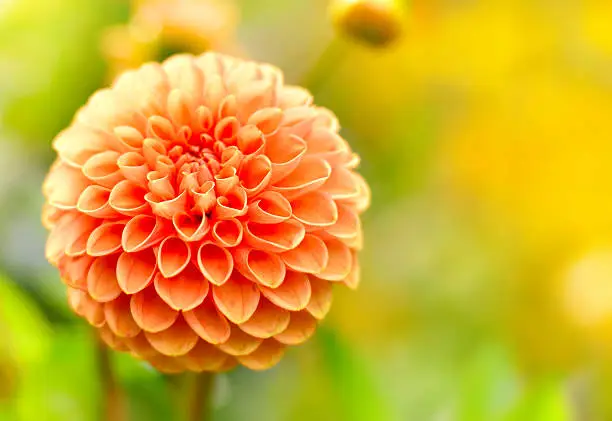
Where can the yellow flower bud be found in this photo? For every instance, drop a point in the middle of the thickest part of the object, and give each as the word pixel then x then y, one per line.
pixel 375 22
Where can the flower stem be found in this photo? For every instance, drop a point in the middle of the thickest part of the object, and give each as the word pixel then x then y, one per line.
pixel 113 405
pixel 333 54
pixel 200 397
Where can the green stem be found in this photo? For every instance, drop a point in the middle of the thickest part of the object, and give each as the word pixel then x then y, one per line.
pixel 327 63
pixel 200 393
pixel 113 405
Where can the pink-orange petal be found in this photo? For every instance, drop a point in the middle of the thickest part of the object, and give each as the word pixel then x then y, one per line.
pixel 135 270
pixel 293 294
pixel 215 263
pixel 320 299
pixel 240 343
pixel 105 239
pixel 176 340
pixel 101 280
pixel 94 202
pixel 204 357
pixel 227 233
pixel 315 209
pixel 285 151
pixel 140 346
pixel 102 169
pixel 310 174
pixel 119 317
pixel 353 278
pixel 85 306
pixel 150 312
pixel 267 355
pixel 310 256
pixel 237 299
pixel 340 261
pixel 301 327
pixel 173 256
pixel 255 174
pixel 260 266
pixel 269 208
pixel 127 198
pixel 208 322
pixel 341 184
pixel 113 341
pixel 183 292
pixel 275 238
pixel 141 232
pixel 190 227
pixel 133 167
pixel 267 321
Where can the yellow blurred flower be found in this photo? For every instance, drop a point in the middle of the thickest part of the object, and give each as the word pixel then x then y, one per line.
pixel 159 28
pixel 374 22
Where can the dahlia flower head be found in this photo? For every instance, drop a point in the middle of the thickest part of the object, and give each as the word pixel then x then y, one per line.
pixel 200 211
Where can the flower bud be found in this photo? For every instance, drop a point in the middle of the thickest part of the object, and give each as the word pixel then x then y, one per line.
pixel 375 22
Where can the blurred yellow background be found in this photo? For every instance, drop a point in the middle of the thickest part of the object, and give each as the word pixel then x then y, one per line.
pixel 485 132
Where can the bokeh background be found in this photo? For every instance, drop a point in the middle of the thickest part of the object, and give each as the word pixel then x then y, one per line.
pixel 485 132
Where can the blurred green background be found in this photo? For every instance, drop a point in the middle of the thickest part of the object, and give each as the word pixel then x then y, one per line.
pixel 486 134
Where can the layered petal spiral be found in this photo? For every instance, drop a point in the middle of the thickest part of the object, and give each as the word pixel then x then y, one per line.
pixel 200 212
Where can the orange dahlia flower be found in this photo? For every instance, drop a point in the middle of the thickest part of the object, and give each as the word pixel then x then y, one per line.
pixel 200 212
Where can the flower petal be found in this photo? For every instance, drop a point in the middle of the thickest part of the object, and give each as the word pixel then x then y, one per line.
pixel 267 321
pixel 150 312
pixel 119 317
pixel 215 263
pixel 176 340
pixel 204 357
pixel 255 174
pixel 101 280
pixel 190 227
pixel 140 346
pixel 173 256
pixel 141 232
pixel 310 174
pixel 293 294
pixel 340 261
pixel 85 306
pixel 260 266
pixel 285 151
pixel 301 327
pixel 128 199
pixel 134 167
pixel 102 169
pixel 227 233
pixel 315 209
pixel 208 322
pixel 183 292
pixel 274 238
pixel 237 299
pixel 269 208
pixel 320 299
pixel 352 280
pixel 64 185
pixel 267 355
pixel 240 343
pixel 341 184
pixel 94 202
pixel 106 239
pixel 135 270
pixel 310 256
